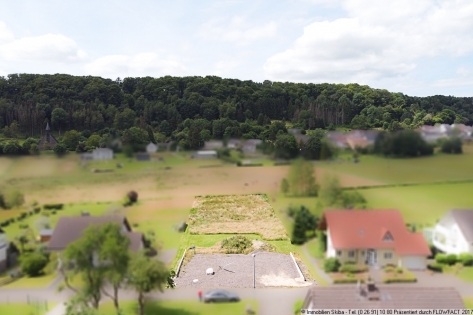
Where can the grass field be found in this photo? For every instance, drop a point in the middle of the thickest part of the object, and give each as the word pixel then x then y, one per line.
pixel 468 302
pixel 235 214
pixel 181 308
pixel 34 308
pixel 32 283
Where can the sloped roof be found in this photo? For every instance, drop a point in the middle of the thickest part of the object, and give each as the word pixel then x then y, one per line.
pixel 464 219
pixel 69 229
pixel 359 229
pixel 399 297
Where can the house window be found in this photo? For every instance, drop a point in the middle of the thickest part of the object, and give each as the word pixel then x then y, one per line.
pixel 363 253
pixel 388 237
pixel 388 255
pixel 351 254
pixel 339 253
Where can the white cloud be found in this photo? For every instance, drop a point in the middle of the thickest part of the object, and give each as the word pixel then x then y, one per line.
pixel 224 66
pixel 379 39
pixel 5 33
pixel 462 71
pixel 143 64
pixel 237 30
pixel 49 47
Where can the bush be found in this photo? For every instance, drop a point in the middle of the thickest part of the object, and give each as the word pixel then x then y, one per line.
pixel 36 209
pixel 435 267
pixel 451 259
pixel 400 280
pixel 24 226
pixel 53 206
pixel 53 212
pixel 352 268
pixel 33 264
pixel 466 259
pixel 331 265
pixel 399 270
pixel 347 281
pixel 441 259
pixel 236 245
pixel 132 196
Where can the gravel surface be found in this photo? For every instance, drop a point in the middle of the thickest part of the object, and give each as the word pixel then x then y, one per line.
pixel 236 271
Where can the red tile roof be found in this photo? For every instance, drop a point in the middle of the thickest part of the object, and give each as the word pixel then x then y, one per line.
pixel 358 229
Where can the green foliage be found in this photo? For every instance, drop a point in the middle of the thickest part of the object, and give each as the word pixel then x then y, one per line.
pixel 285 146
pixel 60 149
pixel 466 259
pixel 331 265
pixel 445 259
pixel 437 267
pixel 405 143
pixel 452 145
pixel 237 244
pixel 285 186
pixel 12 147
pixel 332 195
pixel 53 206
pixel 93 141
pixel 71 139
pixel 33 264
pixel 12 199
pixel 302 179
pixel 304 221
pixel 353 268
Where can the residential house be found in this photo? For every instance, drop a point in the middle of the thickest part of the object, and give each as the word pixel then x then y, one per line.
pixel 45 235
pixel 302 138
pixel 70 229
pixel 374 237
pixel 102 154
pixel 213 145
pixel 361 138
pixel 4 244
pixel 453 234
pixel 48 142
pixel 250 145
pixel 337 138
pixel 151 148
pixel 233 143
pixel 391 297
pixel 294 131
pixel 210 154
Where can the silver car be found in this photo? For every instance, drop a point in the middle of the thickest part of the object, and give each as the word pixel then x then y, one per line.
pixel 220 296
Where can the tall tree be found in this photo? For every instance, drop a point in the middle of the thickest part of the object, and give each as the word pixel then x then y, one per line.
pixel 59 118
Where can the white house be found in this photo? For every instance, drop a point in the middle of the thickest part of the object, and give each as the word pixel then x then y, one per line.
pixel 3 250
pixel 102 154
pixel 151 148
pixel 453 234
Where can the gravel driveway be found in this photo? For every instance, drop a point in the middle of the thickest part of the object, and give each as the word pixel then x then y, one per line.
pixel 236 271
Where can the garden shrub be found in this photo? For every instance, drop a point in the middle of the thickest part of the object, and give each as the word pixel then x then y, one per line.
pixel 53 212
pixel 466 259
pixel 435 267
pixel 37 209
pixel 400 280
pixel 24 226
pixel 451 259
pixel 399 270
pixel 389 269
pixel 53 206
pixel 331 265
pixel 441 258
pixel 352 268
pixel 347 281
pixel 236 245
pixel 33 264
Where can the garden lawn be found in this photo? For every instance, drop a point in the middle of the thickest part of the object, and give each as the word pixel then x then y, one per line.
pixel 424 204
pixel 468 302
pixel 181 308
pixel 437 168
pixel 36 308
pixel 32 282
pixel 466 274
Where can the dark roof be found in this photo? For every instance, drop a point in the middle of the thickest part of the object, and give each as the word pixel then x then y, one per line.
pixel 399 297
pixel 69 229
pixel 464 219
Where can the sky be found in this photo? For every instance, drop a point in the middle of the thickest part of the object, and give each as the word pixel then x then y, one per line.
pixel 416 47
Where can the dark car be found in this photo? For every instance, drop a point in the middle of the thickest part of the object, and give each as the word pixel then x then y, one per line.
pixel 220 296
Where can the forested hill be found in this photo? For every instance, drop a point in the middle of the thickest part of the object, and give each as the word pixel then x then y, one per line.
pixel 220 105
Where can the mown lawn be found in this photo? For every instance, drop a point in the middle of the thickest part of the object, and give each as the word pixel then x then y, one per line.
pixel 424 204
pixel 182 308
pixel 468 302
pixel 32 283
pixel 34 308
pixel 466 274
pixel 437 168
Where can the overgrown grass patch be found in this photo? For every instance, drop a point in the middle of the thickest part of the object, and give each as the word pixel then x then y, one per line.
pixel 235 214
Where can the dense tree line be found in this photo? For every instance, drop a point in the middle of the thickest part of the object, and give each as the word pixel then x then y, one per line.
pixel 191 110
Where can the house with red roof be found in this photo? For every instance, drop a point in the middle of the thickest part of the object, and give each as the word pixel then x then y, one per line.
pixel 373 237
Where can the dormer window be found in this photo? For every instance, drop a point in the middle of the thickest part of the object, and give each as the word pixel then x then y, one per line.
pixel 388 237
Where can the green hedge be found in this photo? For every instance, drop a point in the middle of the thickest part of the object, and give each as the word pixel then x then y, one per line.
pixel 347 280
pixel 351 268
pixel 466 259
pixel 249 165
pixel 400 280
pixel 53 206
pixel 435 267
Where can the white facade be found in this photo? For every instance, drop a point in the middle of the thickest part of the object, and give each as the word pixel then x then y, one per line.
pixel 102 154
pixel 151 148
pixel 205 155
pixel 3 247
pixel 413 262
pixel 449 239
pixel 331 252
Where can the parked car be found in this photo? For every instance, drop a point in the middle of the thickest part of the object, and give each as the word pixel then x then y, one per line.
pixel 220 296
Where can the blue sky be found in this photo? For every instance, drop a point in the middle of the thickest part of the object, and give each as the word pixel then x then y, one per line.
pixel 417 47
